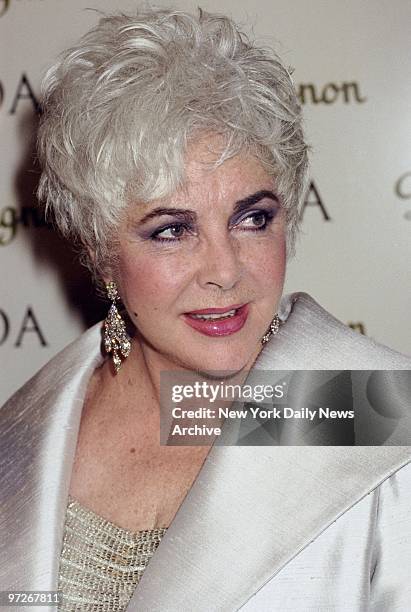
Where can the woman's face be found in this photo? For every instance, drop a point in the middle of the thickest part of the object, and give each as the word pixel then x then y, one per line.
pixel 218 245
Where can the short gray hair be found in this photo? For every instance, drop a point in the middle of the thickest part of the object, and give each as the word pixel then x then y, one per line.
pixel 120 107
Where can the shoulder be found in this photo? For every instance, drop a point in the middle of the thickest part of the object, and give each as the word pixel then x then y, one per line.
pixel 398 488
pixel 391 555
pixel 365 541
pixel 312 338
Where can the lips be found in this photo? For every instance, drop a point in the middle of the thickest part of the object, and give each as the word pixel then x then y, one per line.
pixel 226 321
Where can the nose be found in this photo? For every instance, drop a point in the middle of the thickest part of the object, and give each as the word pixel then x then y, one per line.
pixel 220 264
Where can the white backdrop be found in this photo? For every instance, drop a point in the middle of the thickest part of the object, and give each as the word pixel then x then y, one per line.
pixel 352 63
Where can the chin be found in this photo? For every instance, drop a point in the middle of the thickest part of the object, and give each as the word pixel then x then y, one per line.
pixel 219 368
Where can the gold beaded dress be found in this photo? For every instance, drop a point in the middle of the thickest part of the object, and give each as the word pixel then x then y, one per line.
pixel 101 563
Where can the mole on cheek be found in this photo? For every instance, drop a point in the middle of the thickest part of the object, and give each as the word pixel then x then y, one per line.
pixel 132 450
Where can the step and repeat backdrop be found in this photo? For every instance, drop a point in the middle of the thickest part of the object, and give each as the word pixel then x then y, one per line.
pixel 352 65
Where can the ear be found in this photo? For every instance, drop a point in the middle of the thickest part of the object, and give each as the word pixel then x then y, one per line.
pixel 106 276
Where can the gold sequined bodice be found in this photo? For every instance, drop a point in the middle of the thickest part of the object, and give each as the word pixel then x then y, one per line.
pixel 101 563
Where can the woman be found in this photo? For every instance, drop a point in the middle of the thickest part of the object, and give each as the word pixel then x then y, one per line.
pixel 173 154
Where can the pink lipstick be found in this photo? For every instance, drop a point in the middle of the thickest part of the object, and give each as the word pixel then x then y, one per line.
pixel 218 321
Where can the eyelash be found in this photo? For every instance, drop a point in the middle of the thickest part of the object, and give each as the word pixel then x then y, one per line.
pixel 268 217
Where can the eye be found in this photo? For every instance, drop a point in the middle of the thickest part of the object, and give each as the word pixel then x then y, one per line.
pixel 170 233
pixel 257 220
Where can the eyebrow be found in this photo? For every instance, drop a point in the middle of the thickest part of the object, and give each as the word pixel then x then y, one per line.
pixel 239 207
pixel 250 200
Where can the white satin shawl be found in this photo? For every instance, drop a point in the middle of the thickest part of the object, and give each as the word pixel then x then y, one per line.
pixel 262 528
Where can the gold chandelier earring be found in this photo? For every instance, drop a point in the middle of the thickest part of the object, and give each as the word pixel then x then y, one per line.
pixel 272 330
pixel 116 340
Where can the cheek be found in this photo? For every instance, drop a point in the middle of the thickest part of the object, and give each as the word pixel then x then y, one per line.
pixel 267 264
pixel 149 283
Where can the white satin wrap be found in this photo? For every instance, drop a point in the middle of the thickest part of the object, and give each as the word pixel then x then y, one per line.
pixel 262 528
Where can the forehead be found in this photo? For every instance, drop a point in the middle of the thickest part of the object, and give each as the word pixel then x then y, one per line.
pixel 203 167
pixel 208 180
pixel 207 154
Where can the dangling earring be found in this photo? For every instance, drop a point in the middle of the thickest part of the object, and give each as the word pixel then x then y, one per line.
pixel 272 330
pixel 116 339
